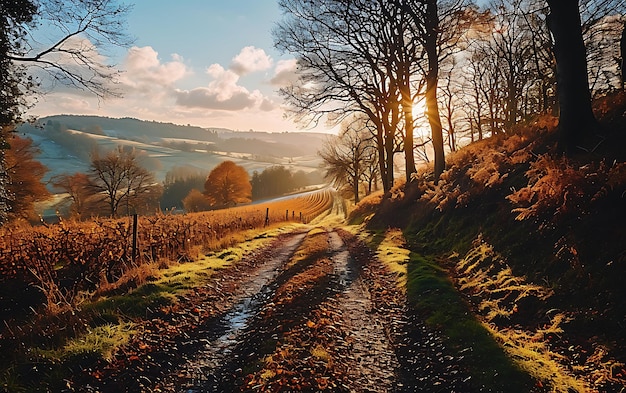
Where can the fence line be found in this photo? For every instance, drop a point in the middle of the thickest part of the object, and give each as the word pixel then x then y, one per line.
pixel 80 255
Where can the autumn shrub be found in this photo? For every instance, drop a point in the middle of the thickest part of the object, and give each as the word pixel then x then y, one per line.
pixel 558 187
pixel 366 207
pixel 554 187
pixel 75 257
pixel 470 171
pixel 480 166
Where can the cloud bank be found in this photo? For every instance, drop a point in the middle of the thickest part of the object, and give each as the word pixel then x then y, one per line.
pixel 241 95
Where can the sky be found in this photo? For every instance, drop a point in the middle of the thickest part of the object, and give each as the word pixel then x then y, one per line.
pixel 209 63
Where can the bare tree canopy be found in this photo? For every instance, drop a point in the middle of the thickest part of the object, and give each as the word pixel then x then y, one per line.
pixel 350 158
pixel 369 57
pixel 66 43
pixel 120 180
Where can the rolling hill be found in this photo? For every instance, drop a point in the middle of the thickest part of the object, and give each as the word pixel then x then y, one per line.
pixel 67 141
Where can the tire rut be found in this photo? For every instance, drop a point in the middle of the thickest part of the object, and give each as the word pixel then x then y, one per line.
pixel 373 364
pixel 314 311
pixel 202 369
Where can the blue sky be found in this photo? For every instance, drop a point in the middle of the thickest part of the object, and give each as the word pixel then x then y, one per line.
pixel 203 62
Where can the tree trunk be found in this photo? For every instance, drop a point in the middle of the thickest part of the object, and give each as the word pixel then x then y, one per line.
pixel 622 51
pixel 432 79
pixel 389 152
pixel 381 146
pixel 409 159
pixel 576 119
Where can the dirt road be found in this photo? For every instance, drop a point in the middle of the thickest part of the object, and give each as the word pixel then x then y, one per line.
pixel 314 311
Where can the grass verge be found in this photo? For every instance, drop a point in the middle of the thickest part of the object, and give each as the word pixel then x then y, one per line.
pixel 108 320
pixel 432 293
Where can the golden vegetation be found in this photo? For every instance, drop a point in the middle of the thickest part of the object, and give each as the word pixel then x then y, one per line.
pixel 74 257
pixel 497 295
pixel 393 253
pixel 100 341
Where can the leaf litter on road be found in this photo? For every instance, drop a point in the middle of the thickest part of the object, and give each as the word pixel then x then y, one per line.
pixel 313 311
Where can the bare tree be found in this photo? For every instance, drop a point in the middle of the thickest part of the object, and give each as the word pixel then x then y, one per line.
pixel 78 190
pixel 345 65
pixel 372 57
pixel 602 41
pixel 438 41
pixel 348 157
pixel 69 50
pixel 576 119
pixel 120 180
pixel 448 98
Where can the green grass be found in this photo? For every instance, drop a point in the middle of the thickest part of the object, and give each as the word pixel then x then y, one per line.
pixel 177 280
pixel 100 341
pixel 432 293
pixel 434 296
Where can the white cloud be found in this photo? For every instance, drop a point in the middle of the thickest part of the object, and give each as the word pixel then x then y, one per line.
pixel 64 103
pixel 250 59
pixel 145 72
pixel 268 105
pixel 285 73
pixel 224 84
pixel 169 90
pixel 202 97
pixel 222 93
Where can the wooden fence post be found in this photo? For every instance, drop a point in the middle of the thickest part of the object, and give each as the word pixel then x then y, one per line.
pixel 267 216
pixel 134 237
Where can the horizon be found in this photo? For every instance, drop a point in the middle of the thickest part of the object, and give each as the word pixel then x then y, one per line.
pixel 302 131
pixel 188 73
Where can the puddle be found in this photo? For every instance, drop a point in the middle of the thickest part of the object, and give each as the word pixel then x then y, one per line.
pixel 345 273
pixel 202 371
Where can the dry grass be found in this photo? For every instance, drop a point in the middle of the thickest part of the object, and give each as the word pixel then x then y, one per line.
pixel 484 275
pixel 393 253
pixel 319 352
pixel 366 208
pixel 100 252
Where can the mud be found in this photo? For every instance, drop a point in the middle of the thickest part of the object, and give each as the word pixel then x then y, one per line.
pixel 334 322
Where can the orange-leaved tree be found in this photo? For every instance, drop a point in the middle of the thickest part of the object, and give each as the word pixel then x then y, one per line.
pixel 25 175
pixel 78 189
pixel 195 201
pixel 228 184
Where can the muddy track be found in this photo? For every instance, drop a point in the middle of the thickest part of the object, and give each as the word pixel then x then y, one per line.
pixel 312 312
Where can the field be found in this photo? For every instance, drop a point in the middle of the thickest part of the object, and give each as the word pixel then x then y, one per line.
pixel 66 260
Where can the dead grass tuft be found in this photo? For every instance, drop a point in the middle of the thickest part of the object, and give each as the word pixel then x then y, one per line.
pixel 497 294
pixel 393 253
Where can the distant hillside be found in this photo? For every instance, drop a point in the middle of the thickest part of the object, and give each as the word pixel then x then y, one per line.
pixel 129 128
pixel 66 142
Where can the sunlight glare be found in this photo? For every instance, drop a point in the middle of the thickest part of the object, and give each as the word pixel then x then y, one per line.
pixel 419 119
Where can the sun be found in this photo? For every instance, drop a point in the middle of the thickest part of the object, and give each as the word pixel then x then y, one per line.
pixel 419 108
pixel 421 129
